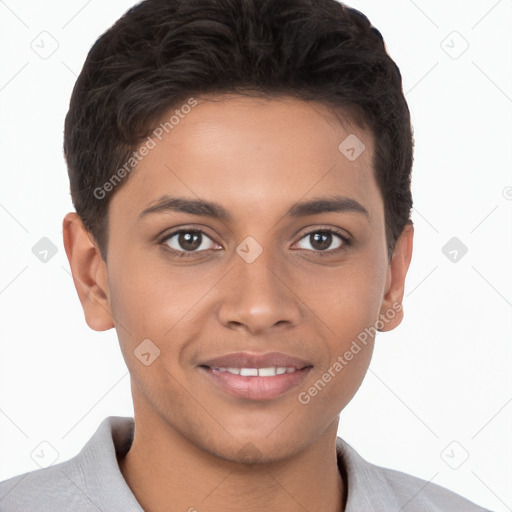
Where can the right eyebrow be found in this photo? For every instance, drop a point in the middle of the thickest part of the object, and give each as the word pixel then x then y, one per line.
pixel 192 206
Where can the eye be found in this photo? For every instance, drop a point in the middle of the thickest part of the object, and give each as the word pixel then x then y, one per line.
pixel 324 240
pixel 189 241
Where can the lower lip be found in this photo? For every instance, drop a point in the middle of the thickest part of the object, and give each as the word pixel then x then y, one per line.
pixel 256 388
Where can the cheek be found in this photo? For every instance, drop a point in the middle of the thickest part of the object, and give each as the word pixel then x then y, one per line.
pixel 349 299
pixel 350 308
pixel 139 302
pixel 151 295
pixel 330 390
pixel 158 302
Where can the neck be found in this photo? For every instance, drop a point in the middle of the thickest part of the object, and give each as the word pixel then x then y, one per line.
pixel 164 468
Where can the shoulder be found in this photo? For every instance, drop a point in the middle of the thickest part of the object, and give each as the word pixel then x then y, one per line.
pixel 414 493
pixel 90 481
pixel 375 488
pixel 43 490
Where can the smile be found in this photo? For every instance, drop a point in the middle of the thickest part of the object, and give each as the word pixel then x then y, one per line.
pixel 257 372
pixel 254 376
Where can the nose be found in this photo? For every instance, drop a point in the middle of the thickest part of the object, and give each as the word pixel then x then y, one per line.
pixel 258 298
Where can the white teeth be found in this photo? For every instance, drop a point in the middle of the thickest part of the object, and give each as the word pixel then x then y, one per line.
pixel 249 372
pixel 266 372
pixel 257 372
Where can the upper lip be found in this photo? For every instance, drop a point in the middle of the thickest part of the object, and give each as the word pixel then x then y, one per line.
pixel 254 360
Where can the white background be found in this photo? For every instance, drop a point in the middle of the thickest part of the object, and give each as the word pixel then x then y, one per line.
pixel 442 376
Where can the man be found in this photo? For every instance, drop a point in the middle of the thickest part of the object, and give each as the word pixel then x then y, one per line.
pixel 241 177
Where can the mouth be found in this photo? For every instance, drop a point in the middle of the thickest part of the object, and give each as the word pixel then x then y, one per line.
pixel 256 377
pixel 271 371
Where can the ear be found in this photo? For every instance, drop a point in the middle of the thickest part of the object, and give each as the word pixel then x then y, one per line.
pixel 89 273
pixel 395 282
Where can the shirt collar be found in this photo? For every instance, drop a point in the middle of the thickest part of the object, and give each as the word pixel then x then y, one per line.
pixel 367 488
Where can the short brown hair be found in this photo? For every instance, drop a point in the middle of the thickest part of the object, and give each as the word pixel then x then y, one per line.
pixel 162 52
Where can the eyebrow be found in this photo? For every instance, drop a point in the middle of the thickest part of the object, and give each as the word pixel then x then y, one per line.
pixel 216 211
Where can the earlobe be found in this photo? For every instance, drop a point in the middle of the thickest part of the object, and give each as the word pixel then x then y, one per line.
pixel 89 273
pixel 391 313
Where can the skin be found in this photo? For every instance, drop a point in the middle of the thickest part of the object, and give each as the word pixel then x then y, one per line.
pixel 194 445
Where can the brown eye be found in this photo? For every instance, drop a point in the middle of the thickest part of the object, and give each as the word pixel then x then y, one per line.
pixel 189 241
pixel 323 240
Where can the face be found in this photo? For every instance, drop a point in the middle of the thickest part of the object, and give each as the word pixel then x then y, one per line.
pixel 246 258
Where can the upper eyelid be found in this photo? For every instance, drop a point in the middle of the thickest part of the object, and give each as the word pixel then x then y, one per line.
pixel 184 230
pixel 329 230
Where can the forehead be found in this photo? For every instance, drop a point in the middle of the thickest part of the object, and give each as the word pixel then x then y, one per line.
pixel 254 153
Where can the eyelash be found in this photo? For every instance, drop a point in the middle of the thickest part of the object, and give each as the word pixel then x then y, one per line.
pixel 180 254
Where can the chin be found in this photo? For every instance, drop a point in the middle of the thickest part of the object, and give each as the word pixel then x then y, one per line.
pixel 256 450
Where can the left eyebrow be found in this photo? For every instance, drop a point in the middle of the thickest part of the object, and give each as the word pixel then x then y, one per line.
pixel 324 205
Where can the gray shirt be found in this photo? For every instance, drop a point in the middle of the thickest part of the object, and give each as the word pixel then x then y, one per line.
pixel 92 481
